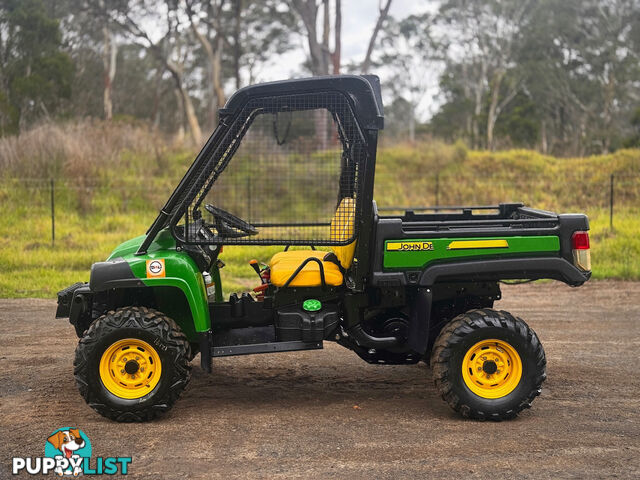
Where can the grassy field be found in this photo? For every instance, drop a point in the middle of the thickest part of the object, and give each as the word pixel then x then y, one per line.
pixel 122 196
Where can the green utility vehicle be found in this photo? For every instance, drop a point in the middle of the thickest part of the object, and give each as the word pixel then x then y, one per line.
pixel 296 160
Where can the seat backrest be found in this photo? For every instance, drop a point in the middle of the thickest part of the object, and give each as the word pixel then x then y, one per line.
pixel 342 227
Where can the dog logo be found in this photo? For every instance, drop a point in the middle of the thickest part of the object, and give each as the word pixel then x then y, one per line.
pixel 70 444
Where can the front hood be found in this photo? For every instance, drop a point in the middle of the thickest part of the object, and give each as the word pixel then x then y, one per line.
pixel 163 241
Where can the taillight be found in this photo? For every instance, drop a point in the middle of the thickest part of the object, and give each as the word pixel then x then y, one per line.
pixel 581 252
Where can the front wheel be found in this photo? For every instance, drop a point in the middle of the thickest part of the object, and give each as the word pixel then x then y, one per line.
pixel 132 364
pixel 488 364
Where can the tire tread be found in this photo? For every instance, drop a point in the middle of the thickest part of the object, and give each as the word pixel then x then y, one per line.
pixel 455 331
pixel 143 318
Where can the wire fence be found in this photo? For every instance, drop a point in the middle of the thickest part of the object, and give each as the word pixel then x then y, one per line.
pixel 395 192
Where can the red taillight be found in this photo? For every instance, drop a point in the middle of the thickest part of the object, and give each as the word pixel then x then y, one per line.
pixel 581 252
pixel 580 240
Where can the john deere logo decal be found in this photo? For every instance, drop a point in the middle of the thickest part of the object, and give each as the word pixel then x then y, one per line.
pixel 155 268
pixel 409 246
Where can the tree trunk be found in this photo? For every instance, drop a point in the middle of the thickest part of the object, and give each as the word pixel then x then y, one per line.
pixel 237 49
pixel 609 98
pixel 187 105
pixel 155 115
pixel 477 110
pixel 467 95
pixel 190 112
pixel 216 71
pixel 179 137
pixel 412 124
pixel 493 106
pixel 318 55
pixel 337 38
pixel 109 57
pixel 308 11
pixel 544 144
pixel 214 60
pixel 382 15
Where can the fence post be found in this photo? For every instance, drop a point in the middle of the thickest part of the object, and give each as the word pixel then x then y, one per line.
pixel 248 199
pixel 611 202
pixel 437 188
pixel 53 216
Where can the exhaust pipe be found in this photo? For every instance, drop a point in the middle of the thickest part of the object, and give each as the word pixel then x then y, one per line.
pixel 367 341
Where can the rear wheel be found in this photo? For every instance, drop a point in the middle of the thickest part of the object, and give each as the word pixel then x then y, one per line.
pixel 488 364
pixel 132 364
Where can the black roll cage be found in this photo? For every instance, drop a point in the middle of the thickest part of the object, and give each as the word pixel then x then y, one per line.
pixel 365 101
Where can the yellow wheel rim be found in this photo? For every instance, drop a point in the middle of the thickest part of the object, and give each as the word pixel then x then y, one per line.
pixel 130 368
pixel 492 368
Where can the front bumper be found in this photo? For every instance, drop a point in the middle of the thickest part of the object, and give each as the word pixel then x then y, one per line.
pixel 75 302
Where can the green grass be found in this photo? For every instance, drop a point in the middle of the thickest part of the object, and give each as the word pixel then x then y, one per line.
pixel 615 253
pixel 92 219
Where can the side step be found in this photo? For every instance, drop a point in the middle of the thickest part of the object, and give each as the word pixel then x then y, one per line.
pixel 271 347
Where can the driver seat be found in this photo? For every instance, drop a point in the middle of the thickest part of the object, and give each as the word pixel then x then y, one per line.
pixel 284 264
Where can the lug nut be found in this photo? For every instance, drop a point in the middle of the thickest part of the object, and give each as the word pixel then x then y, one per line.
pixel 124 359
pixel 122 371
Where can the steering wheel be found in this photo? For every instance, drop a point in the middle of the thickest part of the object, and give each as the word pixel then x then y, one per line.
pixel 228 225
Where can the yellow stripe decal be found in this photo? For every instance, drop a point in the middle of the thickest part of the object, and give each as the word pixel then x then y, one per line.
pixel 469 244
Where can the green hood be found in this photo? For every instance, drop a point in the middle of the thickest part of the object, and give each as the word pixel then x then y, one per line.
pixel 163 241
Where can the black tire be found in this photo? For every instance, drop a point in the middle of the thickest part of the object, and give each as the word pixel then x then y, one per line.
pixel 461 334
pixel 150 326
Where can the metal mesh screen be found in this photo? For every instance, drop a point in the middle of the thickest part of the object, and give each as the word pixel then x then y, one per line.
pixel 290 166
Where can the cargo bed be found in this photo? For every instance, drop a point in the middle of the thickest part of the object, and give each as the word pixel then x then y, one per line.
pixel 475 243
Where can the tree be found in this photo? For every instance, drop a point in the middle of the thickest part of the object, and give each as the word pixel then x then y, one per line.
pixel 320 55
pixel 211 38
pixel 407 48
pixel 170 50
pixel 572 65
pixel 489 33
pixel 383 13
pixel 261 31
pixel 109 57
pixel 604 31
pixel 34 72
pixel 236 36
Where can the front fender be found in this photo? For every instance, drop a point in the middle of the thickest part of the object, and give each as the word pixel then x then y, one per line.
pixel 178 271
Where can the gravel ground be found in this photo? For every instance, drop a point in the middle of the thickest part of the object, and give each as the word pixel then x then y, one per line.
pixel 328 414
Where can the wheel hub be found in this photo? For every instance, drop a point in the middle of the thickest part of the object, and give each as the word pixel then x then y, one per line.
pixel 130 368
pixel 492 368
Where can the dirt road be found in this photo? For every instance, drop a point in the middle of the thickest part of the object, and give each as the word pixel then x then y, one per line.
pixel 328 414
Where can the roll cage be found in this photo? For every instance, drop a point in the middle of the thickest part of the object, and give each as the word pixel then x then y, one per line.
pixel 355 106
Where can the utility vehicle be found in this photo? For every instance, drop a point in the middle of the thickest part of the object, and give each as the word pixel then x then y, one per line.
pixel 292 163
